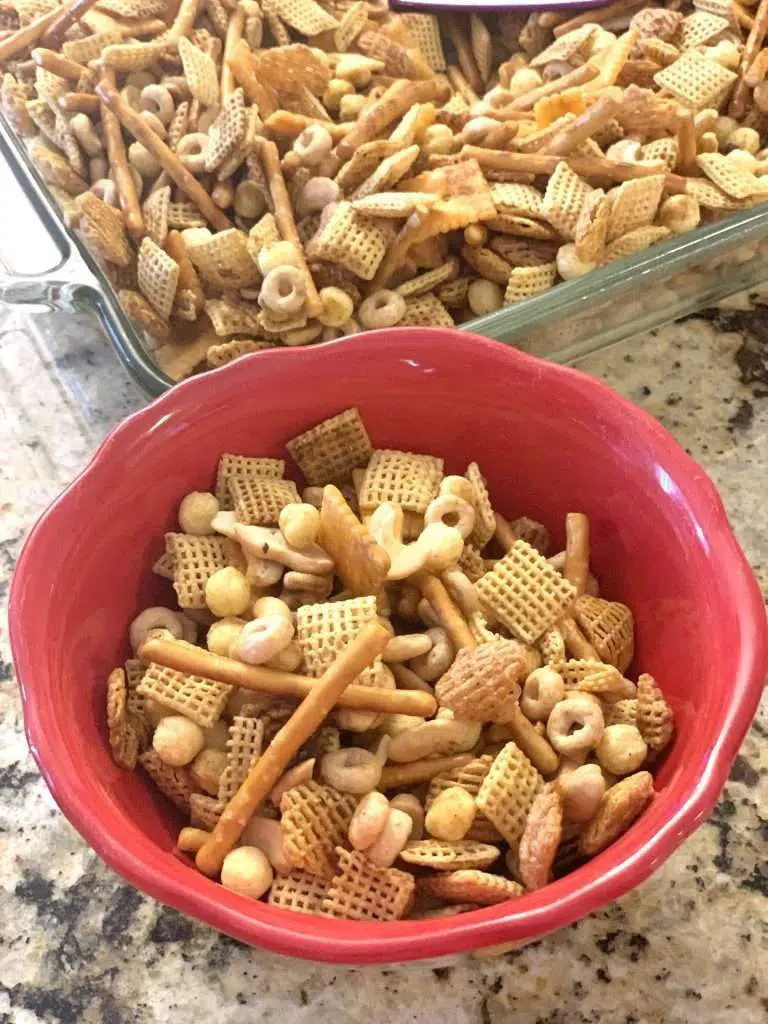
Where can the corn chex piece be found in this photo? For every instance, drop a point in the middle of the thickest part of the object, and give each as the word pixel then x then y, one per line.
pixel 696 81
pixel 324 629
pixel 223 260
pixel 241 467
pixel 199 72
pixel 517 200
pixel 633 242
pixel 406 479
pixel 609 627
pixel 259 501
pixel 453 295
pixel 315 820
pixel 155 210
pixel 728 176
pixel 361 564
pixel 363 163
pixel 634 205
pixel 233 316
pixel 306 16
pixel 203 700
pixel 299 891
pixel 699 27
pixel 469 778
pixel 655 718
pixel 352 240
pixel 442 855
pixel 227 131
pixel 244 746
pixel 526 282
pixel 204 811
pixel 184 215
pixel 564 199
pixel 425 32
pixel 360 891
pixel 709 196
pixel 158 276
pixel 173 783
pixel 329 451
pixel 466 886
pixel 392 205
pixel 507 792
pixel 483 684
pixel 194 560
pixel 662 149
pixel 594 677
pixel 123 739
pixel 228 351
pixel 426 311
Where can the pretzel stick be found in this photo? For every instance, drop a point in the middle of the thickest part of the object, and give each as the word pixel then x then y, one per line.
pixel 145 27
pixel 241 63
pixel 66 17
pixel 576 568
pixel 536 748
pixel 752 46
pixel 396 253
pixel 27 36
pixel 585 125
pixel 587 166
pixel 396 101
pixel 196 661
pixel 118 163
pixel 305 720
pixel 579 76
pixel 286 223
pixel 459 82
pixel 741 15
pixel 165 156
pixel 79 103
pixel 400 776
pixel 57 64
pixel 686 143
pixel 504 534
pixel 188 279
pixel 464 55
pixel 598 17
pixel 184 22
pixel 757 70
pixel 575 640
pixel 447 612
pixel 287 125
pixel 234 35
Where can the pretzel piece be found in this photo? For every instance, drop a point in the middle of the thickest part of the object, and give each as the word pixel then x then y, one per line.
pixel 752 47
pixel 196 661
pixel 447 612
pixel 235 27
pixel 118 163
pixel 58 64
pixel 305 720
pixel 585 125
pixel 26 36
pixel 66 17
pixel 168 160
pixel 401 776
pixel 576 569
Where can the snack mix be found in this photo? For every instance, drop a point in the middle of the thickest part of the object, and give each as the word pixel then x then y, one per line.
pixel 252 174
pixel 401 705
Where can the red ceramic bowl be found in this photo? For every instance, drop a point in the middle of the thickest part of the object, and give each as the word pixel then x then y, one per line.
pixel 549 440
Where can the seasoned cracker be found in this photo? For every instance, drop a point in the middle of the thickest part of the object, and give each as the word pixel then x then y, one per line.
pixel 361 564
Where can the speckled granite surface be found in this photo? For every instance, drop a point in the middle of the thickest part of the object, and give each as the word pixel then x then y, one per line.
pixel 76 945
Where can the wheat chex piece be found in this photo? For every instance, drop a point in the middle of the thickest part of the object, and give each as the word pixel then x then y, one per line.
pixel 406 479
pixel 54 169
pixel 185 215
pixel 507 792
pixel 441 855
pixel 306 16
pixel 329 451
pixel 525 592
pixel 584 673
pixel 258 501
pixel 103 230
pixel 467 886
pixel 388 173
pixel 424 283
pixel 315 820
pixel 655 718
pixel 425 32
pixel 228 351
pixel 200 73
pixel 469 778
pixel 483 683
pixel 123 739
pixel 352 240
pixel 732 179
pixel 453 294
pixel 244 747
pixel 526 282
pixel 227 132
pixel 360 891
pixel 564 198
pixel 324 629
pixel 426 311
pixel 204 811
pixel 223 260
pixel 195 559
pixel 158 277
pixel 696 81
pixel 203 700
pixel 361 564
pixel 173 783
pixel 609 627
pixel 299 891
pixel 155 212
pixel 242 467
pixel 633 242
pixel 634 205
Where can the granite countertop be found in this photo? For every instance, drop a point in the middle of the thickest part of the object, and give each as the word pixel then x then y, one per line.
pixel 77 945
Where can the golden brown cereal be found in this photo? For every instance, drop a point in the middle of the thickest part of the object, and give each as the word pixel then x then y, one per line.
pixel 469 777
pixel 158 276
pixel 258 501
pixel 299 891
pixel 240 467
pixel 446 856
pixel 244 746
pixel 315 820
pixel 199 699
pixel 172 782
pixel 476 887
pixel 483 683
pixel 195 559
pixel 619 808
pixel 352 240
pixel 507 792
pixel 329 451
pixel 654 716
pixel 204 811
pixel 362 892
pixel 609 627
pixel 408 480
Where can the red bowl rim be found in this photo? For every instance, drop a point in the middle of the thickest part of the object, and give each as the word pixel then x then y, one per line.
pixel 533 915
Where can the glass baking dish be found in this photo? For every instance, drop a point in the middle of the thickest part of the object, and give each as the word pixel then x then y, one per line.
pixel 635 294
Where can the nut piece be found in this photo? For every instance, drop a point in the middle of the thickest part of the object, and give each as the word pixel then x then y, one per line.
pixel 247 870
pixel 196 513
pixel 227 592
pixel 177 740
pixel 451 814
pixel 411 805
pixel 368 821
pixel 622 749
pixel 620 806
pixel 299 523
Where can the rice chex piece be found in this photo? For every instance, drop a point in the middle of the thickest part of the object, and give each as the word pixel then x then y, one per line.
pixel 158 276
pixel 195 559
pixel 442 855
pixel 409 480
pixel 242 467
pixel 525 592
pixel 299 891
pixel 476 887
pixel 352 240
pixel 203 700
pixel 329 451
pixel 552 646
pixel 695 80
pixel 623 712
pixel 699 27
pixel 227 132
pixel 609 627
pixel 102 229
pixel 258 501
pixel 394 205
pixel 363 892
pixel 315 820
pixel 244 747
pixel 507 792
pixel 155 210
pixel 173 783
